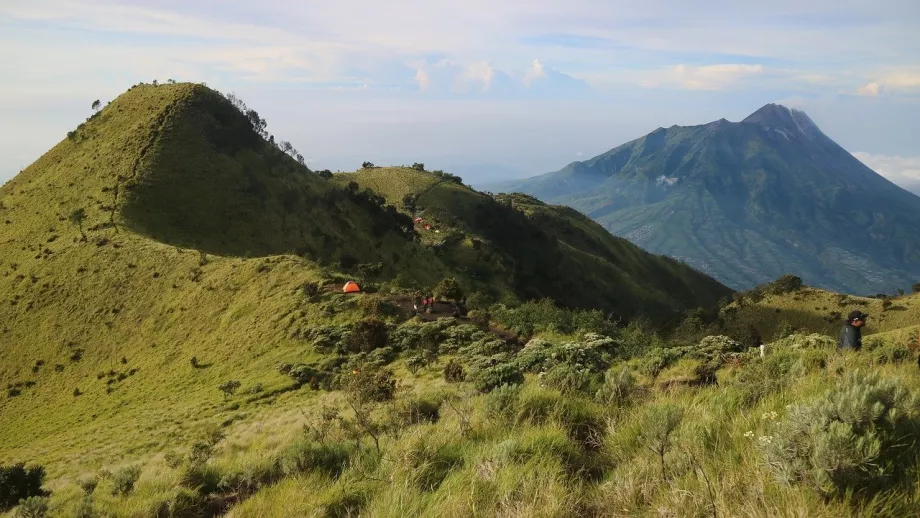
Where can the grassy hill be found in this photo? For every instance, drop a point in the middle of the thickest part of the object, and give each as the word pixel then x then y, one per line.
pixel 102 315
pixel 536 249
pixel 174 342
pixel 818 311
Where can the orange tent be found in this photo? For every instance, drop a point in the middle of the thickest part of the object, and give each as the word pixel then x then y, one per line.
pixel 351 287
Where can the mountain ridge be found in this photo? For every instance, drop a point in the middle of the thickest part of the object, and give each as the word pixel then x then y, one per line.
pixel 779 188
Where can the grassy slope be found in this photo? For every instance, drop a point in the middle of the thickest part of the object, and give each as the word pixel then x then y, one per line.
pixel 155 306
pixel 122 295
pixel 813 310
pixel 590 267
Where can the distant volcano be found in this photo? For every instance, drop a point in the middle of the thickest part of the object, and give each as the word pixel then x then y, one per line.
pixel 749 201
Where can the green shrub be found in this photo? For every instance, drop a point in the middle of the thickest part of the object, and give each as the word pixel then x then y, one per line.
pixel 85 508
pixel 124 479
pixel 658 360
pixel 448 289
pixel 568 379
pixel 88 485
pixel 381 357
pixel 370 385
pixel 367 334
pixel 765 376
pixel 480 318
pixel 659 423
pixel 454 371
pixel 535 355
pixel 592 352
pixel 18 483
pixel 229 387
pixel 858 436
pixel 33 507
pixel 497 375
pixel 330 459
pixel 415 363
pixel 891 353
pixel 618 388
pixel 502 403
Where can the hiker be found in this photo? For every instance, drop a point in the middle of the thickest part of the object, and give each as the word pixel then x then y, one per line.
pixel 851 335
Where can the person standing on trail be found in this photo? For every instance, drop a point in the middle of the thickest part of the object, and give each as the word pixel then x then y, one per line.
pixel 851 335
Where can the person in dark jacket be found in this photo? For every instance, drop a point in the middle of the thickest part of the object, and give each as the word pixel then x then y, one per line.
pixel 851 335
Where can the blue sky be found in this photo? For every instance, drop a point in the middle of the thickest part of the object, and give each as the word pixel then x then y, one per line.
pixel 489 89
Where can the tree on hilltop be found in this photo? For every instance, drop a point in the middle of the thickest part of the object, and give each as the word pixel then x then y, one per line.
pixel 96 105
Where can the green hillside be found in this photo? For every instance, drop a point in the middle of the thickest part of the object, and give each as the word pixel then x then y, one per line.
pixel 813 310
pixel 112 306
pixel 536 249
pixel 747 202
pixel 174 342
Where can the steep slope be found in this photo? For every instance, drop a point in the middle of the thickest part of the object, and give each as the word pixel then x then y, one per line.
pixel 747 202
pixel 538 250
pixel 97 333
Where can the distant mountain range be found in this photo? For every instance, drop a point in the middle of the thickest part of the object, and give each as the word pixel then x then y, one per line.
pixel 749 201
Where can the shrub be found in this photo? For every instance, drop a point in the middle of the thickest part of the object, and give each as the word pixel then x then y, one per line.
pixel 569 379
pixel 497 375
pixel 658 360
pixel 229 387
pixel 480 318
pixel 124 479
pixel 415 363
pixel 85 508
pixel 89 485
pixel 786 284
pixel 534 356
pixel 617 389
pixel 33 507
pixel 855 437
pixel 370 385
pixel 592 352
pixel 381 357
pixel 366 335
pixel 330 459
pixel 660 422
pixel 17 483
pixel 891 353
pixel 448 289
pixel 502 402
pixel 454 371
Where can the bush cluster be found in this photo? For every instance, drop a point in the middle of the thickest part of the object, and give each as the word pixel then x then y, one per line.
pixel 858 436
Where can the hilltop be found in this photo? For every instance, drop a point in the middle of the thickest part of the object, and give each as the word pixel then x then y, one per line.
pixel 749 201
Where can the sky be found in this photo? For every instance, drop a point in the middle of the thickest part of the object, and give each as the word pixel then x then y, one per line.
pixel 487 89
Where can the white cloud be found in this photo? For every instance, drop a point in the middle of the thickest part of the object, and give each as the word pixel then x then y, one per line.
pixel 869 89
pixel 901 170
pixel 535 71
pixel 479 72
pixel 422 79
pixel 712 77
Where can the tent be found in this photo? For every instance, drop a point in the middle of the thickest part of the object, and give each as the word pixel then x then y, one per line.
pixel 351 287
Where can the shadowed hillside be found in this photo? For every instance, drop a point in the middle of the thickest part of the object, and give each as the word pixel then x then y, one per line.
pixel 538 250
